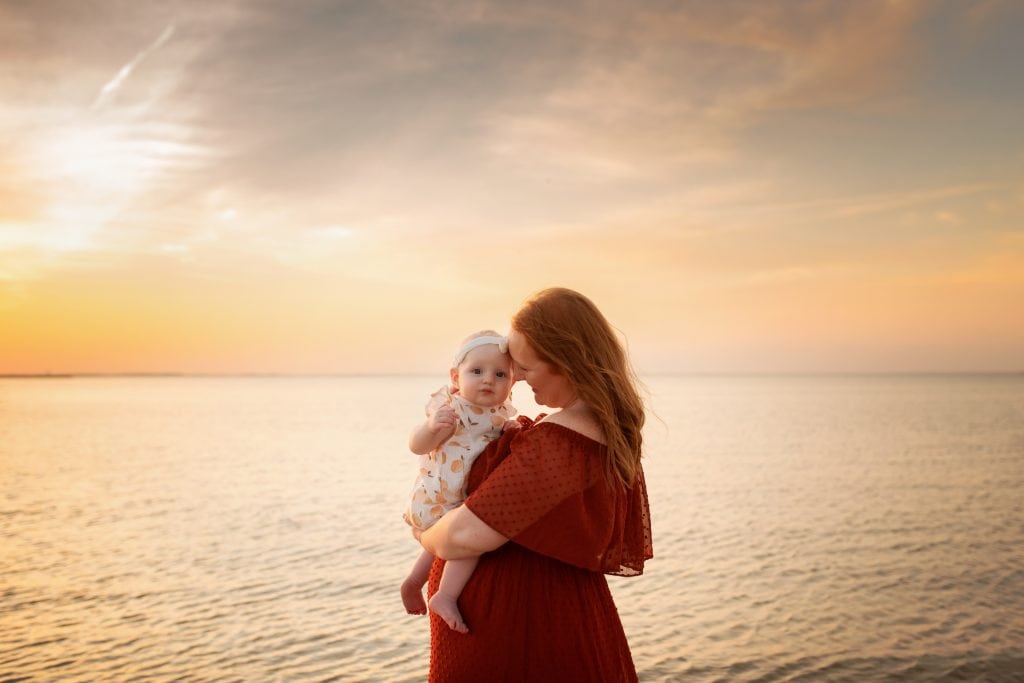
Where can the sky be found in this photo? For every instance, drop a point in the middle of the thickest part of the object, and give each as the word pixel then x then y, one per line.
pixel 335 187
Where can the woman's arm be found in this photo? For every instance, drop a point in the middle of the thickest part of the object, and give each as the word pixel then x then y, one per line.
pixel 459 534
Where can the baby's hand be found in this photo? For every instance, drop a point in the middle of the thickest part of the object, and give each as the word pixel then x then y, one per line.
pixel 443 419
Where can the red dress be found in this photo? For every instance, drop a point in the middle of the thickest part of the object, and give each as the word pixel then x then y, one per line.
pixel 538 608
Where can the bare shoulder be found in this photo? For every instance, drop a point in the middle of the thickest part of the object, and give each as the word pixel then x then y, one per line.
pixel 578 421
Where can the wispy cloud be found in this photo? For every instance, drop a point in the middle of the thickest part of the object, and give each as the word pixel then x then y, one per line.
pixel 641 91
pixel 114 84
pixel 86 168
pixel 859 205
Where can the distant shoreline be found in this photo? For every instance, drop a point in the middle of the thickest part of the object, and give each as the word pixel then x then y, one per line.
pixel 240 375
pixel 326 375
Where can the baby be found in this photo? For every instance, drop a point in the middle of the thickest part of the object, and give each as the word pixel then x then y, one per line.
pixel 461 421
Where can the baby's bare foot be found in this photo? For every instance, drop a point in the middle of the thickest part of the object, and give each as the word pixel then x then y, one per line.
pixel 446 608
pixel 412 597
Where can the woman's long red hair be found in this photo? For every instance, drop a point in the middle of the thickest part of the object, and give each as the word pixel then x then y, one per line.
pixel 568 331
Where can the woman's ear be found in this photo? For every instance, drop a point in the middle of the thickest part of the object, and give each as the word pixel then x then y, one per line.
pixel 455 378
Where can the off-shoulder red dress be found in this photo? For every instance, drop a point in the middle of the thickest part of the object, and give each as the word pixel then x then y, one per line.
pixel 538 608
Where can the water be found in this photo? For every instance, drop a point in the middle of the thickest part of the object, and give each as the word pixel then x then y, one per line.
pixel 811 528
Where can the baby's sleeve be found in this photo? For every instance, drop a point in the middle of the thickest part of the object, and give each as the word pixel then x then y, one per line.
pixel 441 397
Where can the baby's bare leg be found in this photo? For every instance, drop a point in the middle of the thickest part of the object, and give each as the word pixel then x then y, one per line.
pixel 444 602
pixel 412 587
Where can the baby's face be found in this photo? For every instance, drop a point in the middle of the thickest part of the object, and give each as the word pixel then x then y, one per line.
pixel 484 377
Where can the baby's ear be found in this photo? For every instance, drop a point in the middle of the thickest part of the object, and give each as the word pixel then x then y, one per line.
pixel 455 378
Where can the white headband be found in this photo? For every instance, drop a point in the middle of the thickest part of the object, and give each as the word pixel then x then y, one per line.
pixel 502 343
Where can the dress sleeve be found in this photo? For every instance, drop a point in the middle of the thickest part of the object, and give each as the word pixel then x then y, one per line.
pixel 549 495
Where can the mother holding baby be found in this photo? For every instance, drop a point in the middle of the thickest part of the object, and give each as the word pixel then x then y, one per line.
pixel 552 507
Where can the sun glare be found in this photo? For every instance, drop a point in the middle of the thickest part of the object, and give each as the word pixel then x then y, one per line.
pixel 86 174
pixel 93 159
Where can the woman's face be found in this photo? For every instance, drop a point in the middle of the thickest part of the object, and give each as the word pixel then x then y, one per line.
pixel 549 387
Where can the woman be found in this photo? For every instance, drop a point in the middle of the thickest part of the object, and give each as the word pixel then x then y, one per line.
pixel 552 507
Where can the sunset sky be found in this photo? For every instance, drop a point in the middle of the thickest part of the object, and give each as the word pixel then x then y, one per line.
pixel 791 186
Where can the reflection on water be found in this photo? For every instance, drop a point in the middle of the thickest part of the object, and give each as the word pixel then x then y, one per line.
pixel 841 528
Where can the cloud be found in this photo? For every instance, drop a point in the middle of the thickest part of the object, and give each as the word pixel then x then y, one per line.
pixel 113 85
pixel 640 91
pixel 888 202
pixel 819 54
pixel 88 166
pixel 983 12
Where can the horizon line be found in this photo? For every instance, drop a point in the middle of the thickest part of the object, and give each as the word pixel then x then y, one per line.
pixel 679 373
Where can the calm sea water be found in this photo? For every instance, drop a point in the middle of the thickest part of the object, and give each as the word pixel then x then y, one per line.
pixel 805 528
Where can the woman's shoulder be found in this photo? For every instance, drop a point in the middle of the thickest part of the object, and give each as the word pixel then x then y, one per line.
pixel 578 423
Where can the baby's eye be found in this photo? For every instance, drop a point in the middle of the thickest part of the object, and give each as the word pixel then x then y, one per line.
pixel 476 371
pixel 502 373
